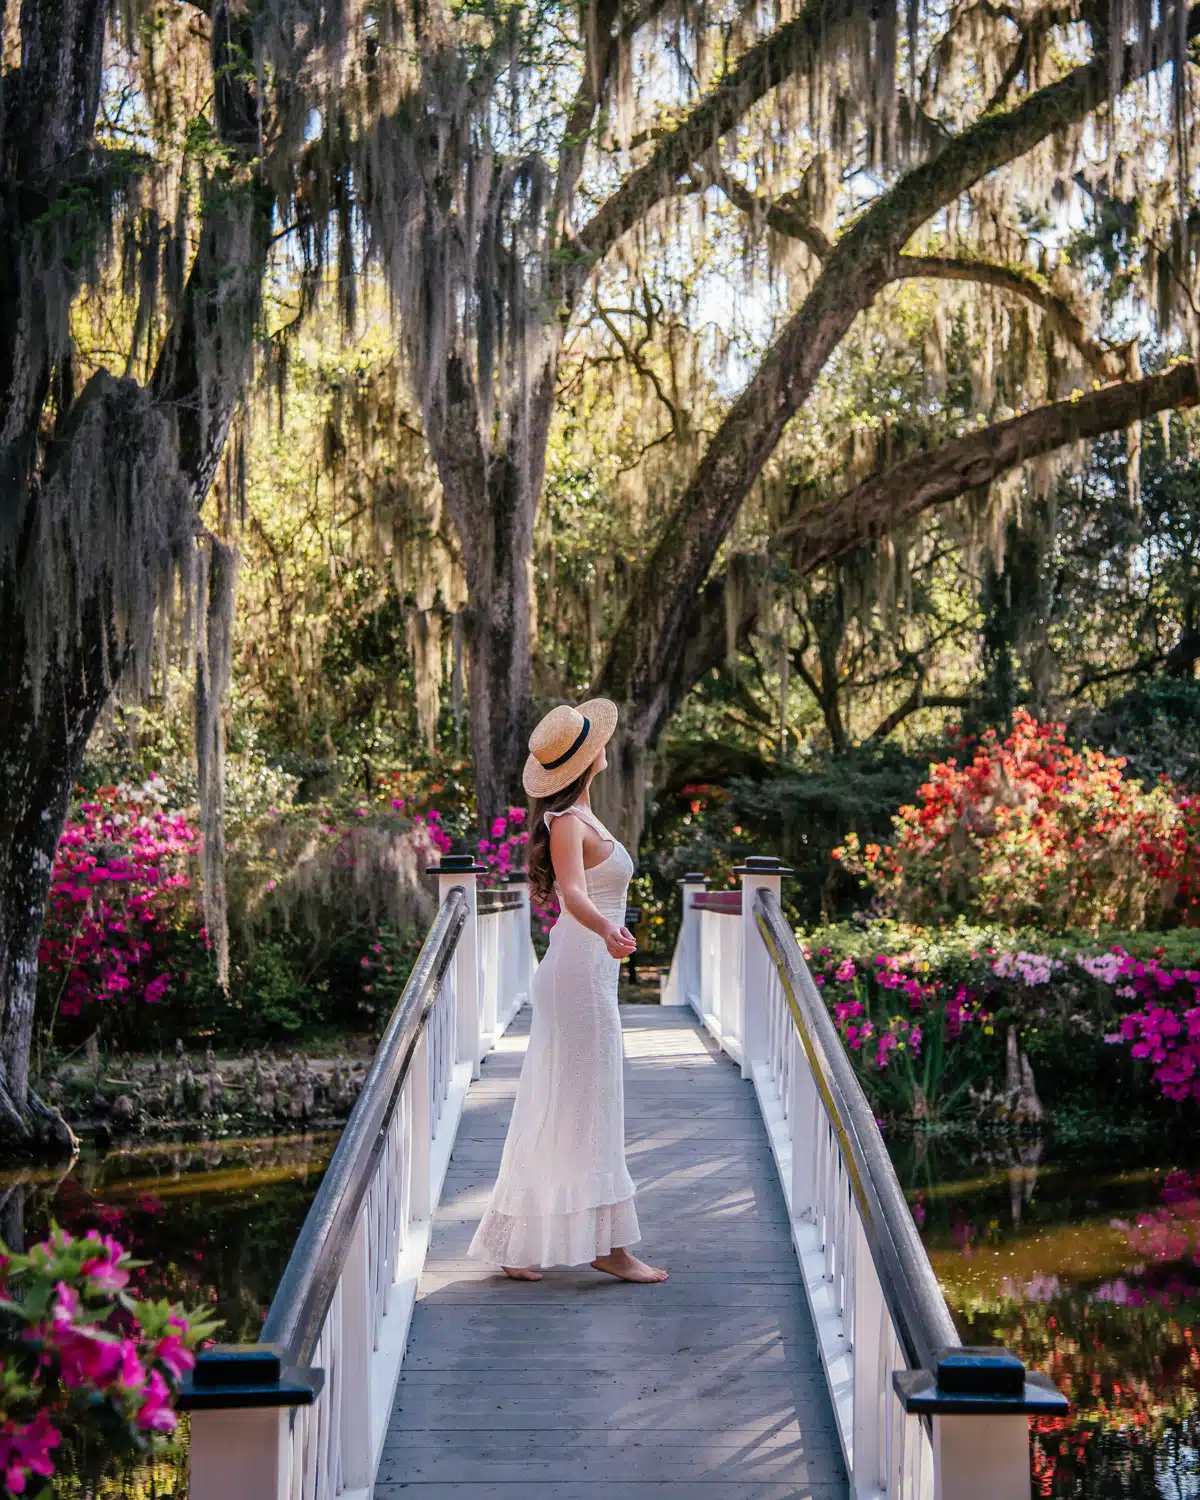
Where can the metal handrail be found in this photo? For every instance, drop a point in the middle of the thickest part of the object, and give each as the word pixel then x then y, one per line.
pixel 488 903
pixel 310 1278
pixel 910 1288
pixel 726 903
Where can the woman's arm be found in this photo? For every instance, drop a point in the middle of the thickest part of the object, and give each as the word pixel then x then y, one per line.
pixel 566 853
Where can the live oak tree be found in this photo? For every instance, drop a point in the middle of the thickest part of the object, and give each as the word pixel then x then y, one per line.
pixel 677 620
pixel 524 161
pixel 144 149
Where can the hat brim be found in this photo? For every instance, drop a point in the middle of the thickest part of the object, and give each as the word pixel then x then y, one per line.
pixel 601 714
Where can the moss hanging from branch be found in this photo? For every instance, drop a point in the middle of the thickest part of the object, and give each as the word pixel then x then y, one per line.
pixel 215 598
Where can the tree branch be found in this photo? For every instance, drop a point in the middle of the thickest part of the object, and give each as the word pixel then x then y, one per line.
pixel 785 218
pixel 853 519
pixel 778 56
pixel 651 638
pixel 1109 364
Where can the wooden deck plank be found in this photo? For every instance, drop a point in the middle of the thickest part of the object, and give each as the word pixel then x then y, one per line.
pixel 581 1388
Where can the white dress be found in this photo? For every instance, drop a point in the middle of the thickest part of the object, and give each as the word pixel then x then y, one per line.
pixel 564 1194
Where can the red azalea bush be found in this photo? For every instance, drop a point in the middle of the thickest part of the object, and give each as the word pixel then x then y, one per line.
pixel 119 894
pixel 88 1373
pixel 1031 831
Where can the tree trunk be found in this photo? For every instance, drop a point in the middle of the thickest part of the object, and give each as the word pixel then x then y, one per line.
pixel 492 494
pixel 40 755
pixel 161 446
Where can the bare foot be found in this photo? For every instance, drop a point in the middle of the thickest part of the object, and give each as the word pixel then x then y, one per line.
pixel 521 1273
pixel 626 1267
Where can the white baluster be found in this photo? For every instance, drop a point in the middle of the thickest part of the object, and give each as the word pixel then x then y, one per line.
pixel 461 869
pixel 870 1475
pixel 758 873
pixel 358 1345
pixel 421 1140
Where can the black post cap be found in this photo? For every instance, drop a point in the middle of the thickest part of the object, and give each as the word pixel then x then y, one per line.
pixel 237 1364
pixel 517 877
pixel 980 1371
pixel 976 1382
pixel 694 877
pixel 456 864
pixel 236 1377
pixel 762 864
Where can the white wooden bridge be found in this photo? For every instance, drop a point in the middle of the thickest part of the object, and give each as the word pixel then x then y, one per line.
pixel 801 1347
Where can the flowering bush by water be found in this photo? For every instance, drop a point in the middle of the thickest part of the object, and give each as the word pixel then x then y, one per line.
pixel 88 1372
pixel 925 1014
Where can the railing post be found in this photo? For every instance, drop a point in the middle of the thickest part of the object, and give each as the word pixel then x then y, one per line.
pixel 461 869
pixel 239 1397
pixel 760 872
pixel 980 1401
pixel 981 1458
pixel 690 887
pixel 239 1455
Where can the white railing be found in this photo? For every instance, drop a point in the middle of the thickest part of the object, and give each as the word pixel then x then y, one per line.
pixel 302 1415
pixel 919 1416
pixel 506 958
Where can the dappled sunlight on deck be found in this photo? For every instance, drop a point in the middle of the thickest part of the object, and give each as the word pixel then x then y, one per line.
pixel 708 1387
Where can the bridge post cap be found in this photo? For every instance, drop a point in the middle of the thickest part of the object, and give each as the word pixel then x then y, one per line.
pixel 237 1364
pixel 974 1381
pixel 980 1369
pixel 457 864
pixel 762 864
pixel 694 877
pixel 517 877
pixel 238 1376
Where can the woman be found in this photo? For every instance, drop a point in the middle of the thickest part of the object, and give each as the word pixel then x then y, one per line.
pixel 564 1194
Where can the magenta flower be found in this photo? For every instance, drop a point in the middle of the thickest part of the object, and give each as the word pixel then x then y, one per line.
pixel 25 1450
pixel 156 1414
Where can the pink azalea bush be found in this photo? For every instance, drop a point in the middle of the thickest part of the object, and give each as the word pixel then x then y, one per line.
pixel 900 1020
pixel 960 988
pixel 119 892
pixel 88 1372
pixel 503 852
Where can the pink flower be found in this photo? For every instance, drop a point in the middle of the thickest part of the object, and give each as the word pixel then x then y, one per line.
pixel 156 1414
pixel 104 1271
pixel 25 1450
pixel 172 1352
pixel 516 815
pixel 131 1373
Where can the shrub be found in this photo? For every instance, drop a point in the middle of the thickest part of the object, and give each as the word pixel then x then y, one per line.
pixel 1033 832
pixel 120 894
pixel 925 1014
pixel 88 1373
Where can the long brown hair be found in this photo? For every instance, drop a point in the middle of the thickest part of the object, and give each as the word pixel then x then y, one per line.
pixel 541 867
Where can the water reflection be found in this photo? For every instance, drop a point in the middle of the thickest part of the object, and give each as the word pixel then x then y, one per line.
pixel 215 1220
pixel 1090 1269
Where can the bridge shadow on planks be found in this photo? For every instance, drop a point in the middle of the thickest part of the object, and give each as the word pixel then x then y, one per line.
pixel 581 1388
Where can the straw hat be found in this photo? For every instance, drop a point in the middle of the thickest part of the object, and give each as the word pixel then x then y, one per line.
pixel 565 743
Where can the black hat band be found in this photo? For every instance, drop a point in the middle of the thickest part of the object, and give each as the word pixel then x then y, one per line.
pixel 550 765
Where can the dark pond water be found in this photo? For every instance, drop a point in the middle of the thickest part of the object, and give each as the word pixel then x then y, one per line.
pixel 215 1220
pixel 1088 1267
